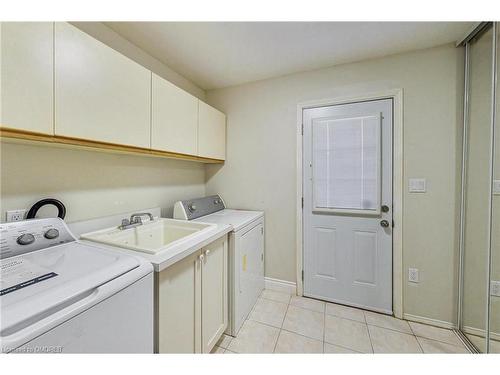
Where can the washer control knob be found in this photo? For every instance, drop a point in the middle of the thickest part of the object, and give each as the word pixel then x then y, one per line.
pixel 192 207
pixel 51 234
pixel 216 201
pixel 25 239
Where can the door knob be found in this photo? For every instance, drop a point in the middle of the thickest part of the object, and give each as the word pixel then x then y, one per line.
pixel 207 252
pixel 385 208
pixel 384 224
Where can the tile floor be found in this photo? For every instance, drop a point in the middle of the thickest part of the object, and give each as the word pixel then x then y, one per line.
pixel 282 323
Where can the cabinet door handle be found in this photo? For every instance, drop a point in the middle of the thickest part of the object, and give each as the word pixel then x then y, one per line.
pixel 207 252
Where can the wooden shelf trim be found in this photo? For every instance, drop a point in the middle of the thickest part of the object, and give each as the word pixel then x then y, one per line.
pixel 6 132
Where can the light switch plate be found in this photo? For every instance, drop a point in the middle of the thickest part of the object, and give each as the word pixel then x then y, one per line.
pixel 496 187
pixel 495 288
pixel 417 185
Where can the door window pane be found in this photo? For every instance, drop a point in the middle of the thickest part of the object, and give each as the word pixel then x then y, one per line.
pixel 346 163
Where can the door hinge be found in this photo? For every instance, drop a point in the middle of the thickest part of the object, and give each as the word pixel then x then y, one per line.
pixel 302 275
pixel 302 200
pixel 393 223
pixel 302 129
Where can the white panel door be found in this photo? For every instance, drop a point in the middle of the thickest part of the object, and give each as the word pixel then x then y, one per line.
pixel 347 185
pixel 174 118
pixel 27 75
pixel 101 95
pixel 211 132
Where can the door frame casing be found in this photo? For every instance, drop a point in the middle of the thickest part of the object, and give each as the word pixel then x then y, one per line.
pixel 397 189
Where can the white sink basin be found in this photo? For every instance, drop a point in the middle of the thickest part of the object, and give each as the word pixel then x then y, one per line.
pixel 152 237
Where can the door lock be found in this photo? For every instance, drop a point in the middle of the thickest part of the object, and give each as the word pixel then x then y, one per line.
pixel 385 208
pixel 384 224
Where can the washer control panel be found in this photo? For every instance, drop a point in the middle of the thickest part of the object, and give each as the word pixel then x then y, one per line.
pixel 25 236
pixel 195 208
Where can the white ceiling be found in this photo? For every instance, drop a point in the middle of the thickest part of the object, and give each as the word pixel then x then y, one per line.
pixel 220 54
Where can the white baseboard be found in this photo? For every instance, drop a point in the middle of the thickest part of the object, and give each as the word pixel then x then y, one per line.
pixel 429 321
pixel 481 333
pixel 280 285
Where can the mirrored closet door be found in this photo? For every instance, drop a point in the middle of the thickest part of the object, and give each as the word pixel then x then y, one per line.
pixel 494 308
pixel 479 306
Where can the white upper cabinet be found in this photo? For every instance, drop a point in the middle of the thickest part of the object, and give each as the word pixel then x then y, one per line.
pixel 58 80
pixel 174 118
pixel 27 68
pixel 211 132
pixel 100 94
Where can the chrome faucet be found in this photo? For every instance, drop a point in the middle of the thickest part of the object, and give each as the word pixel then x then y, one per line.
pixel 135 220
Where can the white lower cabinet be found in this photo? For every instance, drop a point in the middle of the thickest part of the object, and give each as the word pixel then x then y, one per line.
pixel 178 301
pixel 214 293
pixel 192 301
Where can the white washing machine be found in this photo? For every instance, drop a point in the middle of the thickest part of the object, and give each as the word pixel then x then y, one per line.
pixel 58 295
pixel 246 251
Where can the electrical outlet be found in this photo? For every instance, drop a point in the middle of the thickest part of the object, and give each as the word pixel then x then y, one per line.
pixel 15 215
pixel 413 275
pixel 495 288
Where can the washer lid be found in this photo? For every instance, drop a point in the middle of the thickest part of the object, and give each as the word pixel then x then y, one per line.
pixel 236 218
pixel 35 285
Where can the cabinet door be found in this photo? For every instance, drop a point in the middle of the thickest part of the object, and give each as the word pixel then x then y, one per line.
pixel 174 118
pixel 178 303
pixel 214 304
pixel 101 95
pixel 27 69
pixel 211 132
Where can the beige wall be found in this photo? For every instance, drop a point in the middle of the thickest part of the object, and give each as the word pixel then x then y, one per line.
pixel 111 38
pixel 260 171
pixel 94 184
